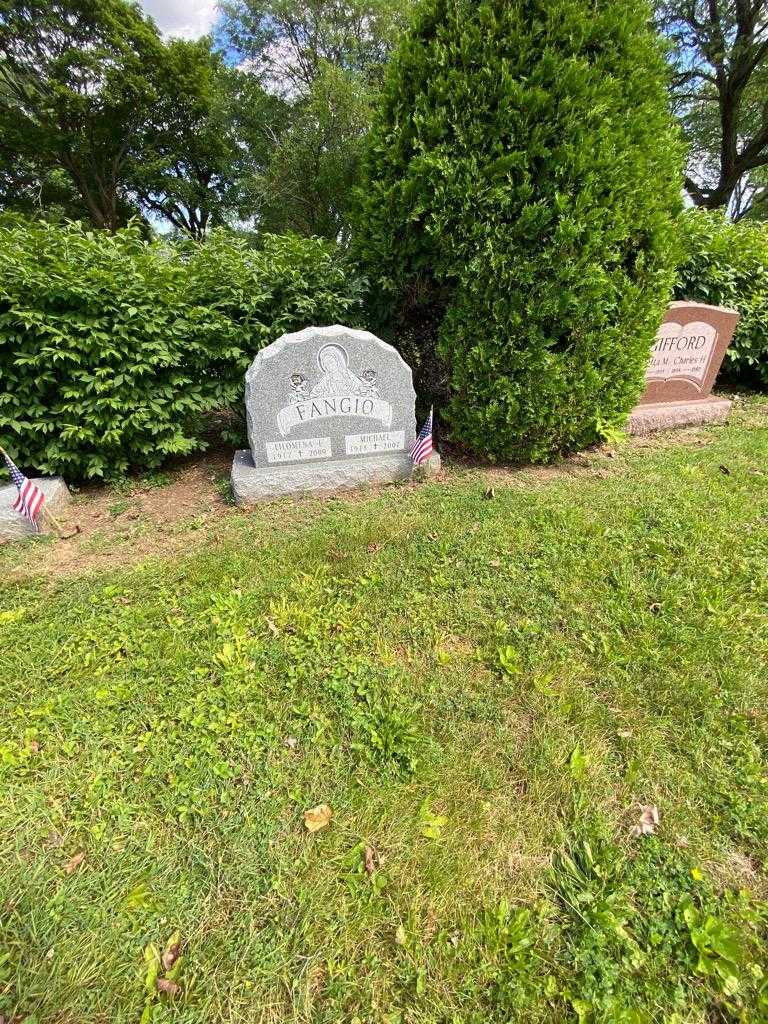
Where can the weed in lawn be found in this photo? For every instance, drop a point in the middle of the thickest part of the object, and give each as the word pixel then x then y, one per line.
pixel 119 507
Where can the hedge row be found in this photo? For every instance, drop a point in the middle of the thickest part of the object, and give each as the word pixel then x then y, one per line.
pixel 726 264
pixel 113 349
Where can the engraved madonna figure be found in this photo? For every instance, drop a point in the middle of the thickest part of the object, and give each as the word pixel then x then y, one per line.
pixel 337 378
pixel 338 392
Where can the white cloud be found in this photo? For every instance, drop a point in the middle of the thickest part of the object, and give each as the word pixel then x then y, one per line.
pixel 187 19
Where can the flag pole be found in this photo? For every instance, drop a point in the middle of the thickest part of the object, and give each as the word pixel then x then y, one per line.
pixel 51 517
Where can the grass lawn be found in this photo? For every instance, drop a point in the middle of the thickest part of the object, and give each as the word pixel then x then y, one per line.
pixel 485 689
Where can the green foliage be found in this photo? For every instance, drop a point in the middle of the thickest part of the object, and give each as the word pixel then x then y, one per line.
pixel 615 935
pixel 100 117
pixel 78 83
pixel 325 61
pixel 314 166
pixel 287 42
pixel 112 349
pixel 726 264
pixel 648 929
pixel 520 185
pixel 195 162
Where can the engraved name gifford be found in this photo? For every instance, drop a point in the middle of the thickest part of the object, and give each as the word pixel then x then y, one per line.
pixel 337 392
pixel 682 352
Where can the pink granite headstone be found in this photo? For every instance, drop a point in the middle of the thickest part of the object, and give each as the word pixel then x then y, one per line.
pixel 685 360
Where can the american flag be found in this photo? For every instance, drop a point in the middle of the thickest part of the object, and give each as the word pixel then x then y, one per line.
pixel 30 498
pixel 421 449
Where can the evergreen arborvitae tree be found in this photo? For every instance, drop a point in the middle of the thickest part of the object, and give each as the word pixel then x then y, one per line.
pixel 520 190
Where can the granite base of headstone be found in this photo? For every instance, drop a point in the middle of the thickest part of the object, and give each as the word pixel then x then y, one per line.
pixel 685 360
pixel 328 409
pixel 14 526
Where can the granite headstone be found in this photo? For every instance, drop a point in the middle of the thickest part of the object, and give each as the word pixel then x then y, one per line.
pixel 328 408
pixel 13 525
pixel 685 360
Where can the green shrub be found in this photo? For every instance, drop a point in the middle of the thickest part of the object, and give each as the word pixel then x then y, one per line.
pixel 521 183
pixel 113 349
pixel 726 264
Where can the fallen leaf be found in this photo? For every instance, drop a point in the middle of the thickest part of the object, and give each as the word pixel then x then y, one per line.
pixel 625 734
pixel 317 817
pixel 495 563
pixel 400 935
pixel 75 863
pixel 272 627
pixel 370 860
pixel 655 607
pixel 169 987
pixel 34 746
pixel 172 951
pixel 290 742
pixel 373 548
pixel 648 823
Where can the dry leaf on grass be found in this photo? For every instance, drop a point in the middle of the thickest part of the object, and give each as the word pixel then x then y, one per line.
pixel 172 952
pixel 370 860
pixel 317 817
pixel 624 734
pixel 169 987
pixel 290 743
pixel 272 627
pixel 74 863
pixel 648 823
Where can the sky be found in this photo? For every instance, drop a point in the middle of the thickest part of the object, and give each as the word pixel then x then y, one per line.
pixel 186 19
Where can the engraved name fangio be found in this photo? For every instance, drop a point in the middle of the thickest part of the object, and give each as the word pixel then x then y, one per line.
pixel 338 392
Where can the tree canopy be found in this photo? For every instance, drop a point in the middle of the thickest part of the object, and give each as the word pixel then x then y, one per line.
pixel 78 83
pixel 521 183
pixel 720 93
pixel 287 42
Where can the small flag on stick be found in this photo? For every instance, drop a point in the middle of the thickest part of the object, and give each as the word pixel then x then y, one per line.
pixel 421 449
pixel 30 499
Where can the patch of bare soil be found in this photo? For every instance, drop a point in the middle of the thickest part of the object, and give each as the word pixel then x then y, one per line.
pixel 107 526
